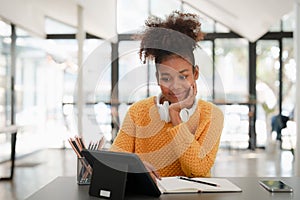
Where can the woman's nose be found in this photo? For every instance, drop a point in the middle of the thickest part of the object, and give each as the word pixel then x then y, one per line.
pixel 176 84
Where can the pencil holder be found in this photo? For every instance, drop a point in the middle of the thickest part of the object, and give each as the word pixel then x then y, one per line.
pixel 84 172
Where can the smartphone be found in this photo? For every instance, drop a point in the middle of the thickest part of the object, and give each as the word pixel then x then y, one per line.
pixel 275 186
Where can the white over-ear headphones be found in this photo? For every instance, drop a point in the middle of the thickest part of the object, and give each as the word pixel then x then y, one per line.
pixel 163 110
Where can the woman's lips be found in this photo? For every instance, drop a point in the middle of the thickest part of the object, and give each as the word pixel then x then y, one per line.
pixel 179 96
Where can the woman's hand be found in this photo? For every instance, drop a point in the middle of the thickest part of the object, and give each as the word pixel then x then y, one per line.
pixel 152 171
pixel 175 108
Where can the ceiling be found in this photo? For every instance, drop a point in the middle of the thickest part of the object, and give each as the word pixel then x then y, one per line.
pixel 249 18
pixel 99 16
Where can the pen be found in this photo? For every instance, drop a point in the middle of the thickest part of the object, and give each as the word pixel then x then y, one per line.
pixel 101 143
pixel 83 161
pixel 197 181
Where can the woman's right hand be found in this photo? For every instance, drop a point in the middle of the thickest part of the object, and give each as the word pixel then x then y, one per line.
pixel 152 171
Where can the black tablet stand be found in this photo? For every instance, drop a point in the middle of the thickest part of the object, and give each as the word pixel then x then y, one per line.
pixel 118 173
pixel 109 182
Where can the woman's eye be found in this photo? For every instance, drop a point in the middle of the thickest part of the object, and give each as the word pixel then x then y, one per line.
pixel 182 77
pixel 165 79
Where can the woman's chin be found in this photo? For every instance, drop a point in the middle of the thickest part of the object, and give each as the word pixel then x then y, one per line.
pixel 180 97
pixel 176 100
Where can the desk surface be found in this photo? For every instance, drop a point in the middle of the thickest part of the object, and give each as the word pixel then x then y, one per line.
pixel 63 188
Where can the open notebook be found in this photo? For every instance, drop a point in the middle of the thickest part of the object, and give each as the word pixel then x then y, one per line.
pixel 175 184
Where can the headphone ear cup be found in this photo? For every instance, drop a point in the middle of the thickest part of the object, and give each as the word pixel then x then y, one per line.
pixel 184 115
pixel 163 110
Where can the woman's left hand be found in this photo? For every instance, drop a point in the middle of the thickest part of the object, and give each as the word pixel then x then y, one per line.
pixel 175 108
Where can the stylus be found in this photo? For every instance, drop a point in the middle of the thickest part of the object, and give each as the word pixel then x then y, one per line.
pixel 197 181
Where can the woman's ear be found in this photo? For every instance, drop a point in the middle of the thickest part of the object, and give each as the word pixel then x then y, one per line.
pixel 196 72
pixel 157 78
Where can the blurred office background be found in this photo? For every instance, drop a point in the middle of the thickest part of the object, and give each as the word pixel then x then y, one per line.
pixel 246 61
pixel 250 74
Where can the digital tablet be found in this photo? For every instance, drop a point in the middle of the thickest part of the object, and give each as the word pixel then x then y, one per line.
pixel 117 172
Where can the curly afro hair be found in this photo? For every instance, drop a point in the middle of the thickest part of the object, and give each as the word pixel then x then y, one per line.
pixel 177 35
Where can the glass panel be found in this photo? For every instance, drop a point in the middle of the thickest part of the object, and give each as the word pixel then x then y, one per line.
pixel 5 29
pixel 123 108
pixel 267 85
pixel 31 93
pixel 231 86
pixel 131 15
pixel 132 74
pixel 288 22
pixel 288 134
pixel 5 73
pixel 53 26
pixel 207 24
pixel 288 77
pixel 67 59
pixel 203 57
pixel 22 33
pixel 46 77
pixel 275 27
pixel 235 135
pixel 5 88
pixel 64 54
pixel 96 85
pixel 97 90
pixel 221 28
pixel 154 89
pixel 97 70
pixel 231 60
pixel 162 8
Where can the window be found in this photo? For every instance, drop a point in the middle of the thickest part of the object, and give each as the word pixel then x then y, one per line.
pixel 97 90
pixel 5 73
pixel 54 27
pixel 131 15
pixel 133 76
pixel 162 8
pixel 5 87
pixel 288 22
pixel 289 77
pixel 220 28
pixel 275 27
pixel 267 70
pixel 34 77
pixel 231 61
pixel 203 58
pixel 207 24
pixel 267 84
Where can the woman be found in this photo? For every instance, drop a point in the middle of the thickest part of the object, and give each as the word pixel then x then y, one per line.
pixel 173 133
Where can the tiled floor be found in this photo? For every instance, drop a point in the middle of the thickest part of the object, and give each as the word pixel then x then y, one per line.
pixel 36 170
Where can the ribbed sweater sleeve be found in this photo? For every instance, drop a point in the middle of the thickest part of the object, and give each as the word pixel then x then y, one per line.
pixel 197 149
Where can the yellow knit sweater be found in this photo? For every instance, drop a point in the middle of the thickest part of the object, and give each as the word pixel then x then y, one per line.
pixel 188 149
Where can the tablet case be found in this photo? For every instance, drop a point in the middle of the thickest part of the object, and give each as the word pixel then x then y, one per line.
pixel 117 173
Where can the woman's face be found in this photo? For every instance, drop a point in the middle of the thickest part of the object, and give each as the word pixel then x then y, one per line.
pixel 175 77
